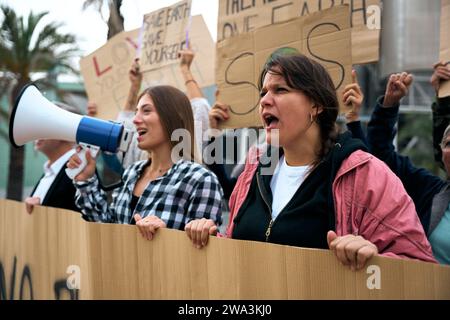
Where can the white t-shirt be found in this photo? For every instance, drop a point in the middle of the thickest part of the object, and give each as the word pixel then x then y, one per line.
pixel 284 184
pixel 50 173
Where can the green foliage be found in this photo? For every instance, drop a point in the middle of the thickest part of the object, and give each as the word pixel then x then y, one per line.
pixel 415 140
pixel 20 55
pixel 23 51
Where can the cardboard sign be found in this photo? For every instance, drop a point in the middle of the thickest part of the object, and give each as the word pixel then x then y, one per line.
pixel 240 16
pixel 55 254
pixel 444 52
pixel 164 34
pixel 105 73
pixel 324 36
pixel 202 66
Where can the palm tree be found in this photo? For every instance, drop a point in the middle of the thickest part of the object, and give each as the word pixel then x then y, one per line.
pixel 20 56
pixel 115 20
pixel 6 82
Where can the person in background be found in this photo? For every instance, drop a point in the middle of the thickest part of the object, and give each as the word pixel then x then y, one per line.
pixel 200 106
pixel 440 108
pixel 219 113
pixel 54 188
pixel 431 194
pixel 325 191
pixel 169 189
pixel 353 97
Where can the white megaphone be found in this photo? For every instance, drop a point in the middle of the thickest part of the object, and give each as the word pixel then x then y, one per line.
pixel 34 117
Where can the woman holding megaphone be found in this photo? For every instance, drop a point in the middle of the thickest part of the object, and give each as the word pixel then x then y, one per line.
pixel 167 190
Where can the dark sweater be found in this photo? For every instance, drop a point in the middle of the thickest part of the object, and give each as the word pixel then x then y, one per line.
pixel 61 193
pixel 419 183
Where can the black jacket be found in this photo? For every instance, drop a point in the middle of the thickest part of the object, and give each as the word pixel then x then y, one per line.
pixel 61 193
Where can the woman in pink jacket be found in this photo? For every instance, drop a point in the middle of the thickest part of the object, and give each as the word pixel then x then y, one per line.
pixel 325 191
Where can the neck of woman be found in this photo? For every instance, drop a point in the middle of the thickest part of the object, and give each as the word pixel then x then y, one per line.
pixel 161 160
pixel 303 152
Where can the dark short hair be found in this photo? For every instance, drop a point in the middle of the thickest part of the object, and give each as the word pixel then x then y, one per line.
pixel 314 81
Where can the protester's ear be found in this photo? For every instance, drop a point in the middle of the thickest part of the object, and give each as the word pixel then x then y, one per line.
pixel 318 108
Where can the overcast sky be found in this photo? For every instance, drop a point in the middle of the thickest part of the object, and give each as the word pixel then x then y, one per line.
pixel 91 30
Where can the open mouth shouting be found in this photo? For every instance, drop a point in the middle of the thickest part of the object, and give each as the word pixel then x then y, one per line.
pixel 270 121
pixel 141 132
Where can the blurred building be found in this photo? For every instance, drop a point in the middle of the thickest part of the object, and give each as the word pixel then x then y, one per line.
pixel 409 42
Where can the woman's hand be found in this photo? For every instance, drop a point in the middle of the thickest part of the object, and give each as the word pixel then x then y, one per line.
pixel 186 57
pixel 149 225
pixel 30 202
pixel 134 74
pixel 199 231
pixel 353 96
pixel 397 88
pixel 88 171
pixel 441 73
pixel 218 113
pixel 352 251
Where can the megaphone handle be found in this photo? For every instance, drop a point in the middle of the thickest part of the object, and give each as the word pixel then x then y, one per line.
pixel 72 173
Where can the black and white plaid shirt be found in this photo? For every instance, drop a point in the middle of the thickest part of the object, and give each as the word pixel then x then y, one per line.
pixel 186 192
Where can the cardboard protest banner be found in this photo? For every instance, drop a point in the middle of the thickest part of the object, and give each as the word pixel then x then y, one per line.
pixel 444 52
pixel 55 254
pixel 105 73
pixel 164 34
pixel 240 16
pixel 324 36
pixel 202 66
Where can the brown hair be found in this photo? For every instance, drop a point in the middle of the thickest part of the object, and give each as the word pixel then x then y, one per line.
pixel 175 112
pixel 313 80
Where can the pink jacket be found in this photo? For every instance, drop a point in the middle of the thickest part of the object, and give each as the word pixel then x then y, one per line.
pixel 369 200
